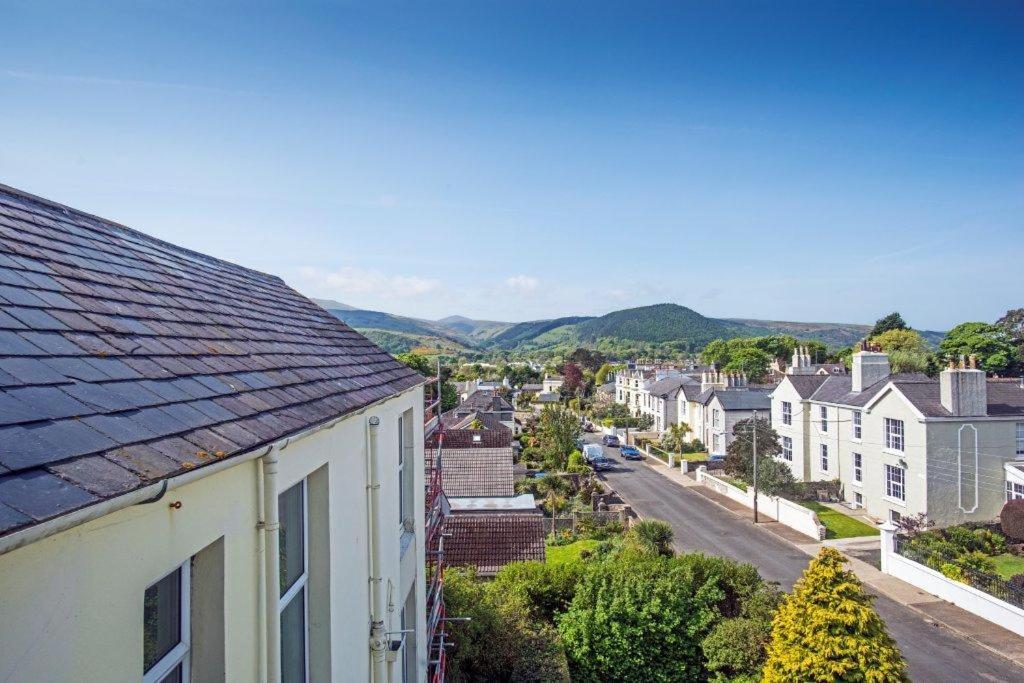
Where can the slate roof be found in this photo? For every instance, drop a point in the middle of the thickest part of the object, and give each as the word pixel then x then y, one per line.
pixel 125 360
pixel 491 541
pixel 744 399
pixel 669 385
pixel 805 385
pixel 490 421
pixel 476 472
pixel 532 387
pixel 839 388
pixel 1005 397
pixel 692 392
pixel 472 438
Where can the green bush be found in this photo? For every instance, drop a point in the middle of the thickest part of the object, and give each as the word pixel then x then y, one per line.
pixel 542 590
pixel 577 464
pixel 650 537
pixel 735 650
pixel 1011 519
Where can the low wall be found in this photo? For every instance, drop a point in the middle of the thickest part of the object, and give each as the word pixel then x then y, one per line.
pixel 786 512
pixel 966 597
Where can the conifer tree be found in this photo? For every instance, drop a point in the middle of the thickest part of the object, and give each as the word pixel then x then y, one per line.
pixel 827 630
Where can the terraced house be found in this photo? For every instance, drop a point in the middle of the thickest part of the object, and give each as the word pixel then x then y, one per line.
pixel 203 475
pixel 904 444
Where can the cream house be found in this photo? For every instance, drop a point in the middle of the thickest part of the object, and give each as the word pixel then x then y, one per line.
pixel 203 475
pixel 906 444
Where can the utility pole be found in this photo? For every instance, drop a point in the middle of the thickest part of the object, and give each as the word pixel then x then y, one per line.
pixel 755 467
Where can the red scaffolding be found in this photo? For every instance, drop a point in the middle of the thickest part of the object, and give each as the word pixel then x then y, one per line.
pixel 436 511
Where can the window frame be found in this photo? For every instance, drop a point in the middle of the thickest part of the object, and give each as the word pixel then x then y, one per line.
pixel 891 485
pixel 787 449
pixel 823 415
pixel 180 654
pixel 1020 441
pixel 895 441
pixel 302 582
pixel 787 413
pixel 858 468
pixel 823 457
pixel 1014 491
pixel 858 425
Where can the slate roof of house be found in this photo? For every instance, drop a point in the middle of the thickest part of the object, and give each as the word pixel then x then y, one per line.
pixel 607 388
pixel 480 401
pixel 491 541
pixel 490 421
pixel 692 392
pixel 472 438
pixel 532 387
pixel 805 385
pixel 738 399
pixel 125 360
pixel 669 385
pixel 839 388
pixel 1005 397
pixel 476 472
pixel 548 397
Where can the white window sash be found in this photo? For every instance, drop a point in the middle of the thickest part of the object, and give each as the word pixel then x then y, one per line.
pixel 179 654
pixel 300 583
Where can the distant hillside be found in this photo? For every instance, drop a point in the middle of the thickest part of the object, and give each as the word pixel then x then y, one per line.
pixel 331 303
pixel 833 334
pixel 660 323
pixel 386 322
pixel 402 342
pixel 473 329
pixel 520 333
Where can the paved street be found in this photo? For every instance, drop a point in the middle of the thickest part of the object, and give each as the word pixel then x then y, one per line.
pixel 934 653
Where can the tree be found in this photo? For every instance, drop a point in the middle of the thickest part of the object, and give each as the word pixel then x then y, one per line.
pixel 418 362
pixel 650 537
pixel 639 618
pixel 716 353
pixel 1013 325
pixel 602 374
pixel 772 475
pixel 672 439
pixel 573 379
pixel 1011 519
pixel 827 630
pixel 901 339
pixel 990 343
pixel 558 430
pixel 751 361
pixel 587 358
pixel 893 321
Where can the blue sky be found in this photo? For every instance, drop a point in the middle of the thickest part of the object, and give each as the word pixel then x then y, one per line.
pixel 516 160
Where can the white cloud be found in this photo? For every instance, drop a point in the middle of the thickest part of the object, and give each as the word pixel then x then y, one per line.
pixel 366 284
pixel 522 284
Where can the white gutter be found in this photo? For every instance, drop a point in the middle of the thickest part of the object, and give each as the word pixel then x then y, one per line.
pixel 378 637
pixel 154 492
pixel 272 565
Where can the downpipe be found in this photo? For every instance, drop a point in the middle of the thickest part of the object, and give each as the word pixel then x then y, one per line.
pixel 272 571
pixel 378 636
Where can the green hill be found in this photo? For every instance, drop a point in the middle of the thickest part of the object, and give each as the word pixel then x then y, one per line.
pixel 660 323
pixel 521 333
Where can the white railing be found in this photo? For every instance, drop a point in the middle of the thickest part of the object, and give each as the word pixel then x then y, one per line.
pixel 793 515
pixel 960 594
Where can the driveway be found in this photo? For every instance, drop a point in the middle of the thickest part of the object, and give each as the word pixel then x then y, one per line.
pixel 933 653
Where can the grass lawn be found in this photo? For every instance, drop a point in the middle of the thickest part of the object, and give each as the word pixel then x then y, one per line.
pixel 1007 565
pixel 557 554
pixel 695 457
pixel 839 525
pixel 738 483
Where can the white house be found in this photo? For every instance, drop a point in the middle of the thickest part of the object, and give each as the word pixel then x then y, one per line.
pixel 713 407
pixel 906 444
pixel 660 400
pixel 203 475
pixel 552 384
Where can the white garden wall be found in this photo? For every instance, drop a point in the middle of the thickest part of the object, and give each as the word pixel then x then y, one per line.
pixel 785 511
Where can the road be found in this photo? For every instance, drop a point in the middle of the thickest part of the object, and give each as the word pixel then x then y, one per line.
pixel 933 653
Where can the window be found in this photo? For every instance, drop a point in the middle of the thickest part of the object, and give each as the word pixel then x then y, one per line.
pixel 858 473
pixel 1020 438
pixel 824 457
pixel 894 482
pixel 1014 491
pixel 856 424
pixel 787 448
pixel 895 517
pixel 406 470
pixel 408 621
pixel 165 628
pixel 787 413
pixel 823 412
pixel 716 418
pixel 858 499
pixel 893 434
pixel 292 604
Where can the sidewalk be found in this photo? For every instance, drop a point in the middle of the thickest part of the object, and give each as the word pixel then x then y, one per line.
pixel 938 612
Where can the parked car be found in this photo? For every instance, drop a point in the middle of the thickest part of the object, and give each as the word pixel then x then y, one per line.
pixel 610 440
pixel 592 451
pixel 589 427
pixel 601 463
pixel 716 458
pixel 631 453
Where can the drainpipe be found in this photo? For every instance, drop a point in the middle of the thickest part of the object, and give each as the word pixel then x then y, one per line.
pixel 261 583
pixel 378 638
pixel 272 566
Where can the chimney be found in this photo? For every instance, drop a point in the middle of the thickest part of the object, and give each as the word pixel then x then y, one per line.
pixel 801 364
pixel 963 389
pixel 869 366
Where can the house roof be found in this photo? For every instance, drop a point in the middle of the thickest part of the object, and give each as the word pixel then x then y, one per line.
pixel 481 401
pixel 491 541
pixel 125 360
pixel 839 388
pixel 488 421
pixel 607 388
pixel 524 502
pixel 476 472
pixel 472 438
pixel 532 387
pixel 692 392
pixel 669 385
pixel 805 385
pixel 549 397
pixel 744 399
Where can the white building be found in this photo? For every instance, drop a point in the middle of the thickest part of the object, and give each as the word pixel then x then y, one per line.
pixel 203 475
pixel 660 400
pixel 552 384
pixel 905 444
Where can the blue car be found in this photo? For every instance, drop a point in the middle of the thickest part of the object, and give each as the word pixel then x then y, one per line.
pixel 610 440
pixel 631 453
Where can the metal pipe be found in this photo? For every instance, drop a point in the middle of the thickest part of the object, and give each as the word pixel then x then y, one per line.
pixel 261 584
pixel 272 527
pixel 378 637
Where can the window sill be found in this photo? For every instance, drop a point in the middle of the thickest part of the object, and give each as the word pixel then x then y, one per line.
pixel 893 451
pixel 858 484
pixel 895 501
pixel 856 440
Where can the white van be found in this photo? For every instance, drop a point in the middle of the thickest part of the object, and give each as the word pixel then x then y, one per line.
pixel 593 451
